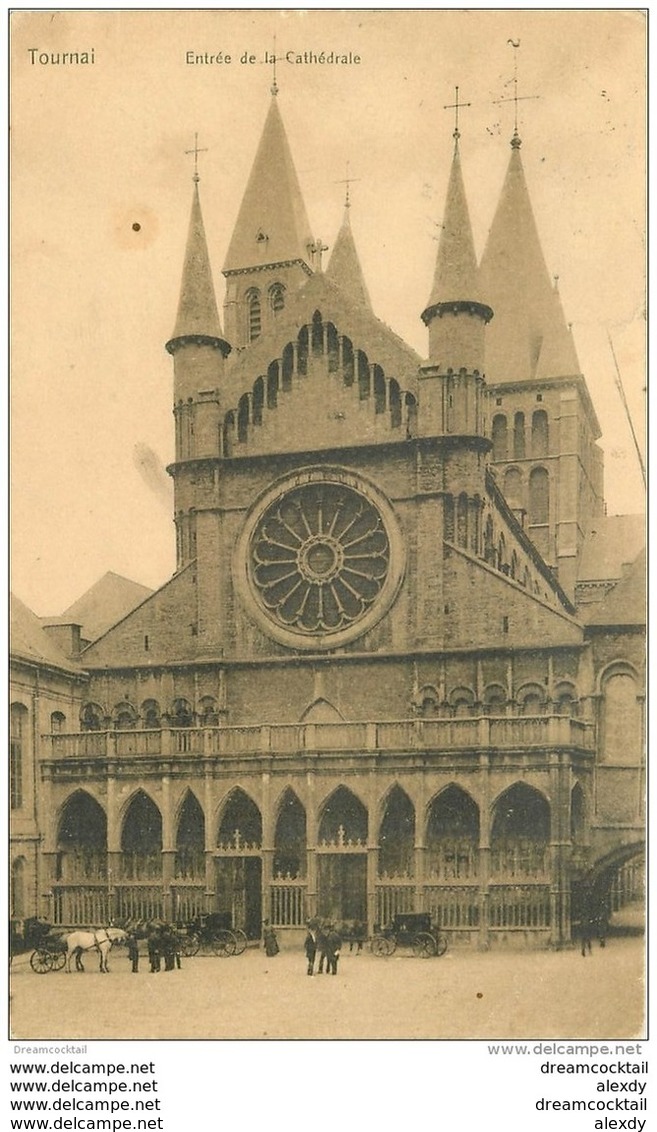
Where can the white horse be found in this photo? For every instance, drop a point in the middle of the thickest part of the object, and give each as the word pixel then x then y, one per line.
pixel 100 940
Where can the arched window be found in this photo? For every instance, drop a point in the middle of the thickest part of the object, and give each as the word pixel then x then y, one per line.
pixel 462 702
pixel 394 395
pixel 254 315
pixel 277 297
pixel 379 390
pixel 272 385
pixel 190 841
pixel 411 415
pixel 182 715
pixel 489 548
pixel 565 699
pixel 513 487
pixel 363 368
pixel 539 497
pixel 243 414
pixel 344 819
pixel 621 719
pixel 519 436
pixel 453 836
pixel 150 713
pixel 429 704
pixel 531 699
pixel 125 717
pixel 494 699
pixel 91 718
pixel 540 439
pixel 141 839
pixel 57 722
pixel 241 822
pixel 500 439
pixel 317 334
pixel 17 739
pixel 82 840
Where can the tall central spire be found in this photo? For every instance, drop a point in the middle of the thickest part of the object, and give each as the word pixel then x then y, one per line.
pixel 272 225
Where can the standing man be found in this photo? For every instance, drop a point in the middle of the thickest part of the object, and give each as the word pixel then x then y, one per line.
pixel 310 946
pixel 132 945
pixel 332 946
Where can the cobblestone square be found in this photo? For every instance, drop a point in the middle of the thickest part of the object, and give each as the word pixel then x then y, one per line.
pixel 508 994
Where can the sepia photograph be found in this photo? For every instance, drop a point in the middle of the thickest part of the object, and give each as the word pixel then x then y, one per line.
pixel 328 569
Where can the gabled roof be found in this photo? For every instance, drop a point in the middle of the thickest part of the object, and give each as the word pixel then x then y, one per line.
pixel 344 269
pixel 366 331
pixel 28 640
pixel 614 542
pixel 272 225
pixel 625 604
pixel 197 308
pixel 105 603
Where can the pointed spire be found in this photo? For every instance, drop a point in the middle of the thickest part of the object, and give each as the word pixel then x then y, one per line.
pixel 272 224
pixel 198 316
pixel 455 277
pixel 515 278
pixel 344 269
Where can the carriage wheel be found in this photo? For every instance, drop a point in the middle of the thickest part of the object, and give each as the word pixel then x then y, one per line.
pixel 441 944
pixel 189 946
pixel 58 960
pixel 223 944
pixel 424 946
pixel 41 962
pixel 382 946
pixel 240 941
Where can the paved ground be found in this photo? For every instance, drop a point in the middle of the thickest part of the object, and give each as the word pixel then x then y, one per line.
pixel 462 995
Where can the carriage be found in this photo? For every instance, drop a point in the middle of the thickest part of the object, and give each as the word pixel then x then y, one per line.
pixel 50 955
pixel 414 930
pixel 212 932
pixel 48 949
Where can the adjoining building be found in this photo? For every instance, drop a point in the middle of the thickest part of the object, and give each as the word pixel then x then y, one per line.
pixel 400 664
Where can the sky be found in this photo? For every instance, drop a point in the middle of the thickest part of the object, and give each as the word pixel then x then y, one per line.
pixel 98 149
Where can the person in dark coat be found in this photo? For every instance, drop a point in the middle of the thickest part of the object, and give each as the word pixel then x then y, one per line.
pixel 269 939
pixel 132 945
pixel 332 947
pixel 154 949
pixel 310 945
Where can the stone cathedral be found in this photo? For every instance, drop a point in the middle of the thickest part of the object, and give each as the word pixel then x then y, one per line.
pixel 399 666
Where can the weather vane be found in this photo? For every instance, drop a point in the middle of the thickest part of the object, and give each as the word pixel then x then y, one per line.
pixel 515 43
pixel 347 181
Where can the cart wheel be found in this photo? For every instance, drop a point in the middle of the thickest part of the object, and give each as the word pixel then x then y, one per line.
pixel 41 962
pixel 424 946
pixel 382 946
pixel 189 946
pixel 240 941
pixel 441 944
pixel 223 944
pixel 58 960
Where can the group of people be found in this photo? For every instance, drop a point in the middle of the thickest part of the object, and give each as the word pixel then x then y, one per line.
pixel 163 944
pixel 323 940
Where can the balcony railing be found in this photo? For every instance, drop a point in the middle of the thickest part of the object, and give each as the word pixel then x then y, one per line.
pixel 477 733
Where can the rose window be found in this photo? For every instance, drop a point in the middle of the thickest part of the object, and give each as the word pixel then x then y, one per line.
pixel 319 558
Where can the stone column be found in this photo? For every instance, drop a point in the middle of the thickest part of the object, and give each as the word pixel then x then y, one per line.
pixel 311 847
pixel 209 837
pixel 560 847
pixel 267 843
pixel 483 942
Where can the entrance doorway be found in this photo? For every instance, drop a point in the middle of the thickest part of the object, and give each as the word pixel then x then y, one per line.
pixel 239 893
pixel 342 886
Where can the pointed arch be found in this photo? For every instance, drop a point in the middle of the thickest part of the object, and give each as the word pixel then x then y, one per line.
pixel 519 436
pixel 290 842
pixel 81 839
pixel 540 433
pixel 622 715
pixel 380 390
pixel 190 839
pixel 500 439
pixel 240 821
pixel 343 818
pixel 287 367
pixel 452 836
pixel 539 496
pixel 243 417
pixel 321 711
pixel 397 835
pixel 141 838
pixel 317 334
pixel 520 832
pixel 394 398
pixel 273 382
pixel 363 370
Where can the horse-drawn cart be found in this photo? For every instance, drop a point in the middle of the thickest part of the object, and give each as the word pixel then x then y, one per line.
pixel 414 930
pixel 214 933
pixel 50 955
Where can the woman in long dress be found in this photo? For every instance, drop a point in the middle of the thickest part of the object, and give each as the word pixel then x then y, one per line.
pixel 269 939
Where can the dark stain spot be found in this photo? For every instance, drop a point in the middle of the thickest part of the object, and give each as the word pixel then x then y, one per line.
pixel 136 227
pixel 479 994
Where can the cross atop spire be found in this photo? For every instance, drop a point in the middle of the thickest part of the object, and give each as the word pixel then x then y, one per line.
pixel 515 141
pixel 347 181
pixel 456 106
pixel 274 84
pixel 196 178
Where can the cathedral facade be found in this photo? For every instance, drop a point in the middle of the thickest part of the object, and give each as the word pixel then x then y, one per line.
pixel 399 666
